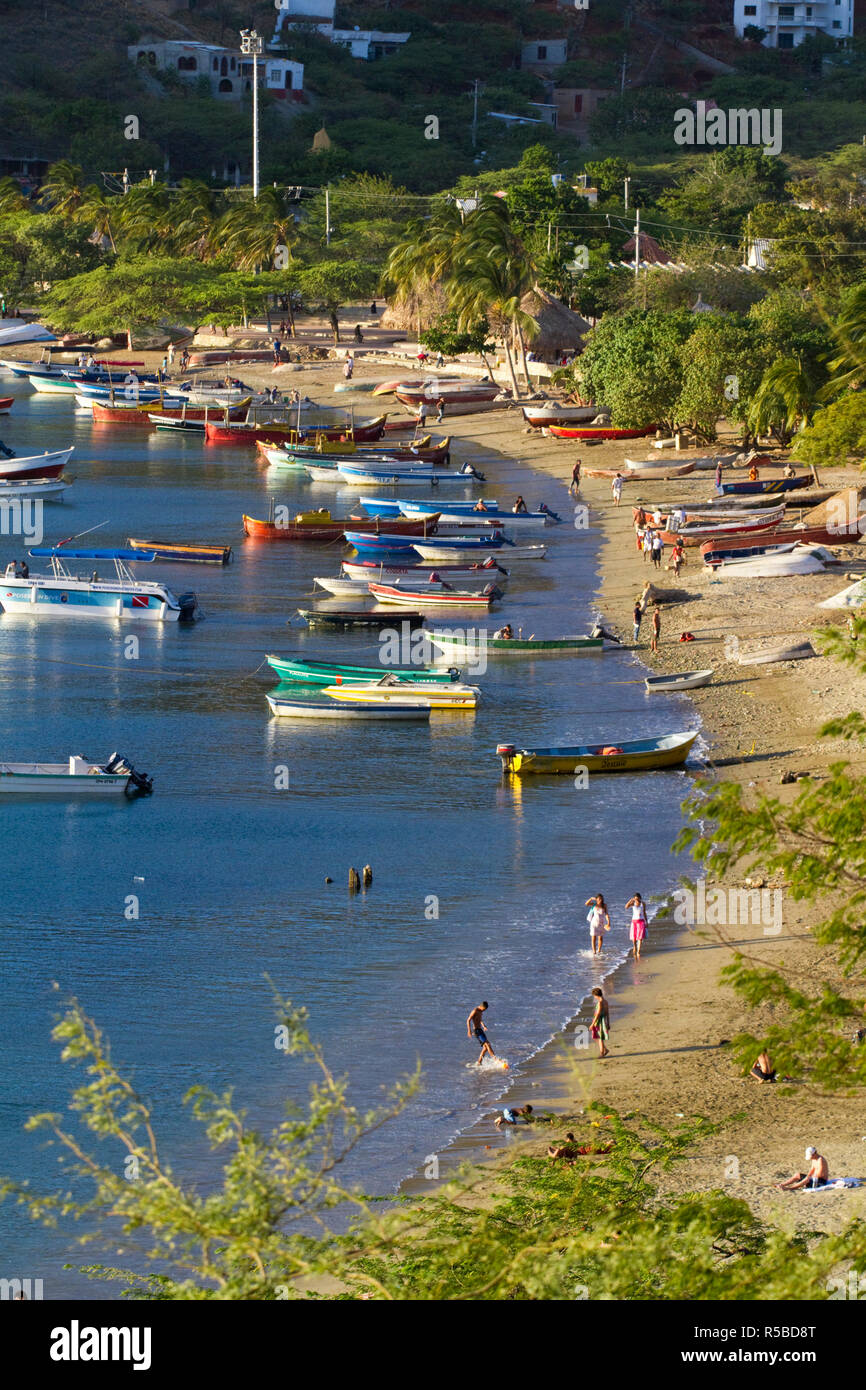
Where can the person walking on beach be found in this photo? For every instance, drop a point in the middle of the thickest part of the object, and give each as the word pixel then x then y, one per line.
pixel 475 1024
pixel 440 410
pixel 678 554
pixel 600 1025
pixel 657 628
pixel 658 549
pixel 277 345
pixel 616 489
pixel 599 921
pixel 718 477
pixel 184 361
pixel 647 543
pixel 575 478
pixel 422 415
pixel 638 922
pixel 637 618
pixel 349 367
pixel 171 354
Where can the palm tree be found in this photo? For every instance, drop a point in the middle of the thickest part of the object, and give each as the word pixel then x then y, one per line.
pixel 490 276
pixel 194 217
pixel 11 197
pixel 97 208
pixel 63 188
pixel 848 368
pixel 253 231
pixel 145 216
pixel 786 399
pixel 425 257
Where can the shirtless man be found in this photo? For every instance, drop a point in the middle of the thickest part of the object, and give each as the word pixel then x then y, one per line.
pixel 818 1174
pixel 475 1024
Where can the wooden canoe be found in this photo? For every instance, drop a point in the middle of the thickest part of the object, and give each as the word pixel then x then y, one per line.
pixel 243 433
pixel 185 554
pixel 473 642
pixel 438 598
pixel 649 475
pixel 637 755
pixel 313 526
pixel 146 417
pixel 599 432
pixel 334 709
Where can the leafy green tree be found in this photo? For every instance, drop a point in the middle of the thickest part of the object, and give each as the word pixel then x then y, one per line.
pixel 786 398
pixel 633 364
pixel 721 372
pixel 37 252
pixel 445 335
pixel 724 187
pixel 836 435
pixel 333 284
pixel 608 175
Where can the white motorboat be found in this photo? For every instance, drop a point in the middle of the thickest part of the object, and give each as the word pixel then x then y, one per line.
pixel 48 465
pixel 34 489
pixel 335 709
pixel 77 777
pixel 61 594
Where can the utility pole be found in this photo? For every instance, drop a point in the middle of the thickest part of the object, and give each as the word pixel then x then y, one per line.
pixel 637 243
pixel 327 214
pixel 548 238
pixel 252 45
pixel 627 182
pixel 475 114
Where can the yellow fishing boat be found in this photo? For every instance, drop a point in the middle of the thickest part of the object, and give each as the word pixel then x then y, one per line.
pixel 453 696
pixel 637 755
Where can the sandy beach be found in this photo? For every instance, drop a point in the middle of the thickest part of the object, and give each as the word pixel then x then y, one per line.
pixel 669 1012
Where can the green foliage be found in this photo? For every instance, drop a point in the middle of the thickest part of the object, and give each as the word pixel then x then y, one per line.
pixel 633 364
pixel 37 252
pixel 836 435
pixel 592 1229
pixel 445 335
pixel 719 353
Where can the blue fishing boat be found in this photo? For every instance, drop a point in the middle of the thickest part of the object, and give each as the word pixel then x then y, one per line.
pixel 766 485
pixel 363 540
pixel 62 594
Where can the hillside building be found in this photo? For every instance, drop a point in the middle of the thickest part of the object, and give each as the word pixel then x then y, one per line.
pixel 787 25
pixel 366 44
pixel 229 73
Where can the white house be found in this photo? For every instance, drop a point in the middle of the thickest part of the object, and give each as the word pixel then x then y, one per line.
pixel 542 55
pixel 230 75
pixel 319 14
pixel 787 25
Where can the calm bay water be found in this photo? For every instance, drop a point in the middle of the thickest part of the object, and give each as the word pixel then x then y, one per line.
pixel 234 869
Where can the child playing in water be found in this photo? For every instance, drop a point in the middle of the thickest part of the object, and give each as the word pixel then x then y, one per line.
pixel 599 921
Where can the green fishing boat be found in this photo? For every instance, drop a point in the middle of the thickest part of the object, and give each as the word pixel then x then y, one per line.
pixel 304 672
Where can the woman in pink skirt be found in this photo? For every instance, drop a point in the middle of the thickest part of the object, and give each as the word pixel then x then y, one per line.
pixel 638 922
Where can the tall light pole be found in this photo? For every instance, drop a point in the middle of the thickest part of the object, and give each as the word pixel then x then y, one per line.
pixel 252 45
pixel 475 114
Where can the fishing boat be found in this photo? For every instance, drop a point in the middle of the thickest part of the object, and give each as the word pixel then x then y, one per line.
pixel 779 539
pixel 599 432
pixel 703 462
pixel 775 565
pixel 306 671
pixel 684 515
pixel 6 404
pixel 796 651
pixel 423 450
pixel 426 581
pixel 77 777
pixel 184 554
pixel 430 597
pixel 768 485
pixel 455 645
pixel 348 618
pixel 852 597
pixel 558 413
pixel 393 506
pixel 37 489
pixel 543 517
pixel 682 680
pixel 133 415
pixel 390 692
pixel 697 535
pixel 481 550
pixel 47 465
pixel 334 709
pixel 61 594
pixel 643 475
pixel 387 388
pixel 460 397
pixel 277 433
pixel 392 475
pixel 321 526
pixel 636 755
pixel 416 571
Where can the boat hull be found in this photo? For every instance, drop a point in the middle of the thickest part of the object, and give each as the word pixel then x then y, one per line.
pixel 643 755
pixel 321 673
pixel 39 597
pixel 49 465
pixel 297 709
pixel 768 485
pixel 599 432
pixel 685 680
pixel 459 645
pixel 185 554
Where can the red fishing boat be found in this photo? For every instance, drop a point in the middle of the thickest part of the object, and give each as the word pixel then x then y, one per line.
pixel 696 535
pixel 139 417
pixel 714 552
pixel 321 526
pixel 244 433
pixel 599 432
pixel 6 403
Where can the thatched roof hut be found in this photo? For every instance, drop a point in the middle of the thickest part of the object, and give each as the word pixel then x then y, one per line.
pixel 560 330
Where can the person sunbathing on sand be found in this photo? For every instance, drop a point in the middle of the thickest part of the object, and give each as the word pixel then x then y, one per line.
pixel 818 1174
pixel 566 1150
pixel 762 1068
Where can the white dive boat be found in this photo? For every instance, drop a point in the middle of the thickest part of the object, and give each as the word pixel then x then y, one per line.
pixel 62 594
pixel 681 680
pixel 77 777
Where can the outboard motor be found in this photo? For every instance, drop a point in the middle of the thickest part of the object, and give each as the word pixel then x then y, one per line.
pixel 140 782
pixel 188 605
